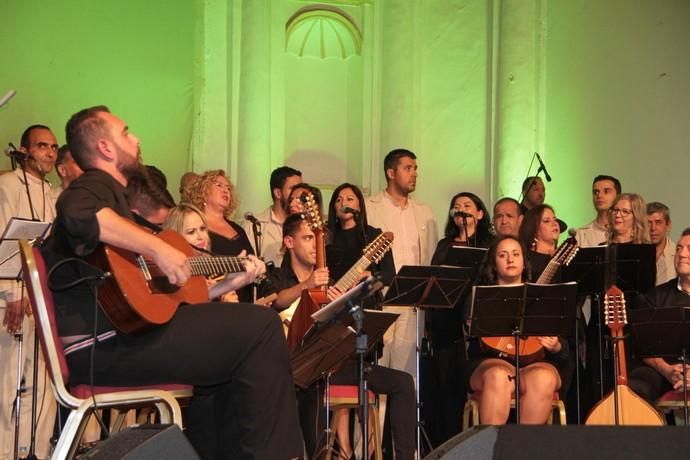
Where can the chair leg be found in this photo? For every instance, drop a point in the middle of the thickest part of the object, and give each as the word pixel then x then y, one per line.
pixel 378 452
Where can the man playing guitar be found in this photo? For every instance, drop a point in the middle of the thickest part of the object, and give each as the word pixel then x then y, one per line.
pixel 236 349
pixel 296 274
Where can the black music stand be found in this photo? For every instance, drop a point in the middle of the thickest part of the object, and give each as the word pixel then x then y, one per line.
pixel 663 333
pixel 632 267
pixel 465 256
pixel 419 286
pixel 523 310
pixel 330 343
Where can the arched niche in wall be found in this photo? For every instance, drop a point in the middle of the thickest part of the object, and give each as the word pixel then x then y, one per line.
pixel 323 95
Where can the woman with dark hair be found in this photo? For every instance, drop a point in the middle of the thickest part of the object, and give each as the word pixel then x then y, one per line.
pixel 539 233
pixel 349 233
pixel 491 374
pixel 467 225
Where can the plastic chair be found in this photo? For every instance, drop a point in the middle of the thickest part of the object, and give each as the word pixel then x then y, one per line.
pixel 84 399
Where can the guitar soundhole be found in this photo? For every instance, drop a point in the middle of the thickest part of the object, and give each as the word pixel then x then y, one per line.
pixel 161 285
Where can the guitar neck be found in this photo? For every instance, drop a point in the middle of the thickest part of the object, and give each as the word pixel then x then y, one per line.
pixel 350 278
pixel 549 272
pixel 207 266
pixel 622 377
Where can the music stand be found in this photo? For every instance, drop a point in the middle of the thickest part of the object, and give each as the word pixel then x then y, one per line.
pixel 329 344
pixel 10 269
pixel 523 310
pixel 418 286
pixel 635 268
pixel 632 267
pixel 663 333
pixel 465 256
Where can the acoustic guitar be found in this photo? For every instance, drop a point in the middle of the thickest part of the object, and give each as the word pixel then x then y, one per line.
pixel 371 254
pixel 310 300
pixel 531 349
pixel 138 294
pixel 632 409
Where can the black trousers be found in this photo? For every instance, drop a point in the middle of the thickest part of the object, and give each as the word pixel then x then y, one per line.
pixel 648 383
pixel 397 385
pixel 234 353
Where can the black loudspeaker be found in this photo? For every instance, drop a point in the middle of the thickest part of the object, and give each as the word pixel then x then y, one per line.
pixel 577 442
pixel 145 442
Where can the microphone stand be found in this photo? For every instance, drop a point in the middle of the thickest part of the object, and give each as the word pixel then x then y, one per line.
pixel 31 455
pixel 256 228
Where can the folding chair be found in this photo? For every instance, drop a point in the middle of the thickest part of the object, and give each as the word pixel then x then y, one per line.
pixel 84 399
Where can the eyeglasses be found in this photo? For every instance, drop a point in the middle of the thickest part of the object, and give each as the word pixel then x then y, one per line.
pixel 621 211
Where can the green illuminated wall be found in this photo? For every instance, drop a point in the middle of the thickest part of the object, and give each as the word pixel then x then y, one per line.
pixel 474 87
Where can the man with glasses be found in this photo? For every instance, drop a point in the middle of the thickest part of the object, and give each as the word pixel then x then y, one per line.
pixel 25 193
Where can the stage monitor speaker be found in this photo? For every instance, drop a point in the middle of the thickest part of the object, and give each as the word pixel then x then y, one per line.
pixel 145 442
pixel 576 442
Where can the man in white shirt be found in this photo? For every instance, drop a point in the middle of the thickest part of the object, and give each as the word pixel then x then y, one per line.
pixel 605 189
pixel 25 193
pixel 659 219
pixel 272 218
pixel 416 235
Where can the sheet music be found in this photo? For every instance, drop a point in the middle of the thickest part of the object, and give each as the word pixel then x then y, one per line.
pixel 18 229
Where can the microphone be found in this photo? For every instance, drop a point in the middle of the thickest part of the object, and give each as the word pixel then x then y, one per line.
pixel 458 213
pixel 542 166
pixel 6 98
pixel 347 210
pixel 250 217
pixel 12 152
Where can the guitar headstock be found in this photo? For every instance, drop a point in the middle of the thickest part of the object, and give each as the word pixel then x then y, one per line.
pixel 311 213
pixel 615 313
pixel 378 248
pixel 566 251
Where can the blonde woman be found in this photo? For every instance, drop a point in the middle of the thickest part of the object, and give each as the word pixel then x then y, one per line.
pixel 187 220
pixel 628 220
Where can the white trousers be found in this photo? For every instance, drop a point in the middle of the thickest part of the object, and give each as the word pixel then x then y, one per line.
pixel 45 401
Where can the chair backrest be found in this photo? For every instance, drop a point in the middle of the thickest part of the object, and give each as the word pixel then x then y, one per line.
pixel 35 277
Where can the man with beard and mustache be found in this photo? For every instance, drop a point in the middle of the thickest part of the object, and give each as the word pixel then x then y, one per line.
pixel 416 234
pixel 26 193
pixel 239 351
pixel 272 218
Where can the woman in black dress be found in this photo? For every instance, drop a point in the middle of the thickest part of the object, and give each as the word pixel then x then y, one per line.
pixel 492 375
pixel 214 194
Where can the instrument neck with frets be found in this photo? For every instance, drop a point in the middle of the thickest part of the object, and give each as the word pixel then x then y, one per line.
pixel 621 406
pixel 139 295
pixel 301 321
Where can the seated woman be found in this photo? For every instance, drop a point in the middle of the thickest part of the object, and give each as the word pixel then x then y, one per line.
pixel 214 194
pixel 187 220
pixel 494 376
pixel 539 233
